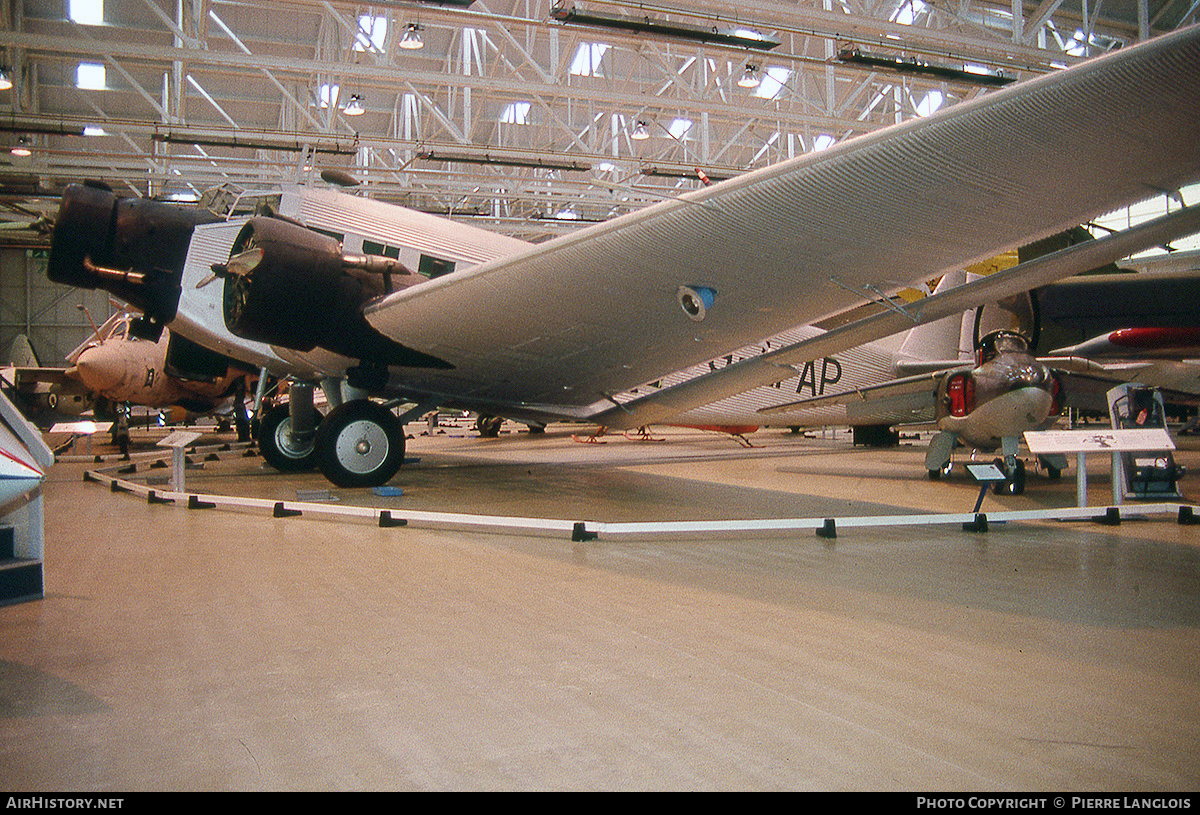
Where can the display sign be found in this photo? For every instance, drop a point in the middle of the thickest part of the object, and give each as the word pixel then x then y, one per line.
pixel 179 439
pixel 1100 440
pixel 81 428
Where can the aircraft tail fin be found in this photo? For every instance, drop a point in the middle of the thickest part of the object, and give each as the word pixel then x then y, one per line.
pixel 20 353
pixel 940 340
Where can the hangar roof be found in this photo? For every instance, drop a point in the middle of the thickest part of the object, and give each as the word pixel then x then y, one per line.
pixel 529 116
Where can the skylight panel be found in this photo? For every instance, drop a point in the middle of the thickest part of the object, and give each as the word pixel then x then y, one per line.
pixel 86 12
pixel 679 128
pixel 773 81
pixel 929 105
pixel 371 33
pixel 587 59
pixel 91 76
pixel 823 142
pixel 908 12
pixel 516 113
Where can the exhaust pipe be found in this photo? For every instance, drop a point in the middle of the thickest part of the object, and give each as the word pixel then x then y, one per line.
pixel 133 248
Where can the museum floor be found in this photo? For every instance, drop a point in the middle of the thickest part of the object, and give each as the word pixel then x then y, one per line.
pixel 183 649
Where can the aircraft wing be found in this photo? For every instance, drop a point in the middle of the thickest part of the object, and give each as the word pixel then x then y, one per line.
pixel 567 324
pixel 22 377
pixel 1085 381
pixel 775 365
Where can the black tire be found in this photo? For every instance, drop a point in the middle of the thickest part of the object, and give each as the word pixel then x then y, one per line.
pixel 1015 485
pixel 276 446
pixel 489 426
pixel 360 444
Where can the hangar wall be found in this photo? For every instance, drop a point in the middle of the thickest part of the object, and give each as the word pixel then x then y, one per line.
pixel 46 312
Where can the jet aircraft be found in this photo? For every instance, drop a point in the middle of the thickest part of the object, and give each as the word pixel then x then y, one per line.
pixel 169 372
pixel 990 402
pixel 434 313
pixel 42 390
pixel 24 457
pixel 116 365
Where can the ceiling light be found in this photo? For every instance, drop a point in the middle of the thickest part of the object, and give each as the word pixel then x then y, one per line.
pixel 354 106
pixel 640 131
pixel 739 37
pixel 749 77
pixel 21 148
pixel 412 38
pixel 911 65
pixel 6 82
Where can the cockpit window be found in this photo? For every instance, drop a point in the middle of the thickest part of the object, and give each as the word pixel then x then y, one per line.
pixel 1001 342
pixel 229 203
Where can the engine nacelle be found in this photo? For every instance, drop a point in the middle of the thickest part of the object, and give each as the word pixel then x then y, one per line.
pixel 289 286
pixel 133 248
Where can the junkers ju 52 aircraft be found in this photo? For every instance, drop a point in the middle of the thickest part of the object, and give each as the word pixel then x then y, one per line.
pixel 442 314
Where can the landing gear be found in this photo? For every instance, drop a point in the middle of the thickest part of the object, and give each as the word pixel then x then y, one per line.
pixel 489 426
pixel 938 472
pixel 938 458
pixel 283 450
pixel 360 444
pixel 1015 483
pixel 1053 465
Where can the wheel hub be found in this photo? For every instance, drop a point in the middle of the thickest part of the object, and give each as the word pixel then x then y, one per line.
pixel 362 447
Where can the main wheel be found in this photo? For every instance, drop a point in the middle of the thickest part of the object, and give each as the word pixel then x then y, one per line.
pixel 279 448
pixel 489 426
pixel 360 444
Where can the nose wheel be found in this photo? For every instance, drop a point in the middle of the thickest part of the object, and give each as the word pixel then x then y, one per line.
pixel 1015 484
pixel 360 444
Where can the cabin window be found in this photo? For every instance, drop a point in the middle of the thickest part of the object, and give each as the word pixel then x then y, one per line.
pixel 381 250
pixel 432 267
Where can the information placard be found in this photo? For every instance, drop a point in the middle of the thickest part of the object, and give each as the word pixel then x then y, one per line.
pixel 1100 440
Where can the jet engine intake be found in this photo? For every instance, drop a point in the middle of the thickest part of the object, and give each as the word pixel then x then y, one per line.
pixel 289 286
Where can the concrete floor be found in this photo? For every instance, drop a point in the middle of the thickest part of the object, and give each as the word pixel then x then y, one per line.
pixel 209 650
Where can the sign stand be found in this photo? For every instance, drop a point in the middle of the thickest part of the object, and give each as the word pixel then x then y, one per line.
pixel 1113 442
pixel 80 430
pixel 177 441
pixel 986 475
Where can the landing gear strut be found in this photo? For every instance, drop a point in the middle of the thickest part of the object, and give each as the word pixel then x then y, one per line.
pixel 284 450
pixel 1015 471
pixel 489 426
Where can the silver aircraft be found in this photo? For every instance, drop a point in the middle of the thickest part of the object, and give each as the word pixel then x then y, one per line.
pixel 398 307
